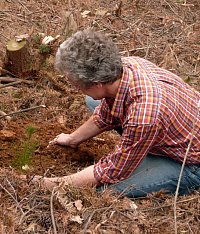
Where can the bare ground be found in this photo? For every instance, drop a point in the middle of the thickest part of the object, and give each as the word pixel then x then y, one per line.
pixel 164 31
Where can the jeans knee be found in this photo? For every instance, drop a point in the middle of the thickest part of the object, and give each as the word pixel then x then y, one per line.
pixel 91 103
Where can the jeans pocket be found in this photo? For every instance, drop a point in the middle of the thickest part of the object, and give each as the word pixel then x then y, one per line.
pixel 195 168
pixel 194 175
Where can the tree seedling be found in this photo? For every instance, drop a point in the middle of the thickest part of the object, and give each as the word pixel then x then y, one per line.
pixel 26 151
pixel 44 49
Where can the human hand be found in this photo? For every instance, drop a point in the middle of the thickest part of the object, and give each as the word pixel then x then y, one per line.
pixel 64 140
pixel 47 183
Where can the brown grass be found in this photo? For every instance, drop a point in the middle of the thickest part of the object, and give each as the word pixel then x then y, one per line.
pixel 165 32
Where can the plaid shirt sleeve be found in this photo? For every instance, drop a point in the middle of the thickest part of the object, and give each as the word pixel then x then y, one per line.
pixel 156 109
pixel 102 117
pixel 130 151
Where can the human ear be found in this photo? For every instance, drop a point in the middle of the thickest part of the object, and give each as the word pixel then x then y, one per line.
pixel 98 84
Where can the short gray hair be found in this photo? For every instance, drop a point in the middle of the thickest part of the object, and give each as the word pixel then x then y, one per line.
pixel 87 57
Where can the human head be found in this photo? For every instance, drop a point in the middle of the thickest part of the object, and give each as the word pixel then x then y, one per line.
pixel 88 57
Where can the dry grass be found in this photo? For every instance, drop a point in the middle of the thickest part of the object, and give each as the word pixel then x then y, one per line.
pixel 164 31
pixel 26 208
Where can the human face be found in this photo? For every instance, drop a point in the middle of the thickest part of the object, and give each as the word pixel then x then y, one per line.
pixel 96 91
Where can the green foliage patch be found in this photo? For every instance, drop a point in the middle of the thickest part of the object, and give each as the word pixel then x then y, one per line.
pixel 25 152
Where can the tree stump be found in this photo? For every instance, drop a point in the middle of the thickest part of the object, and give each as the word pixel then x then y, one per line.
pixel 18 58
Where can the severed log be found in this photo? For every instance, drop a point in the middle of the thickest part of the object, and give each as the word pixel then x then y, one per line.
pixel 18 58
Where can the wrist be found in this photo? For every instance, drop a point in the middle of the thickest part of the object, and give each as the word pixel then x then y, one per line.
pixel 74 140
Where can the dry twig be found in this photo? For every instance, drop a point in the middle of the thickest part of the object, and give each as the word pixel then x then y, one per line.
pixel 15 83
pixel 183 165
pixel 170 205
pixel 14 199
pixel 51 208
pixel 92 214
pixel 24 110
pixel 2 113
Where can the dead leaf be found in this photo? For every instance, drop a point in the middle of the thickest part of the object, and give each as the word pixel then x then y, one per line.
pixel 62 120
pixel 187 79
pixel 48 39
pixel 77 219
pixel 63 200
pixel 86 14
pixel 101 12
pixel 7 134
pixel 78 204
pixel 118 9
pixel 22 37
pixel 25 168
pixel 70 25
pixel 135 228
pixel 133 205
pixel 127 204
pixel 64 216
pixel 70 207
pixel 31 227
pixel 7 117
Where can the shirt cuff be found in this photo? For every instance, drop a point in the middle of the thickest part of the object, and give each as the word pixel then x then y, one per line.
pixel 102 169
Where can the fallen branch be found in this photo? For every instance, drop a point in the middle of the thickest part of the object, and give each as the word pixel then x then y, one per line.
pixel 3 71
pixel 15 83
pixel 2 113
pixel 187 5
pixel 92 214
pixel 8 79
pixel 15 200
pixel 26 213
pixel 170 205
pixel 24 110
pixel 52 214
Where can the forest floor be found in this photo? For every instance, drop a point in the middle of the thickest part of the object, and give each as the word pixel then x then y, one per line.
pixel 166 32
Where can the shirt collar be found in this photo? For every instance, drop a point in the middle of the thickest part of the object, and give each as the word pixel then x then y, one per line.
pixel 118 105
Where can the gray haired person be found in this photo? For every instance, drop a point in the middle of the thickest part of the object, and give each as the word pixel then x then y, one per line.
pixel 151 108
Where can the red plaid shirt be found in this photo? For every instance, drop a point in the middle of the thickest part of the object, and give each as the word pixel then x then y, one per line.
pixel 156 110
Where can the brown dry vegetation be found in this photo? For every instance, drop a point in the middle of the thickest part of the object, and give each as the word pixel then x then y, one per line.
pixel 167 32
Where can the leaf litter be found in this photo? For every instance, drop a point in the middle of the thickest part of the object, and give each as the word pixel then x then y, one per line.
pixel 165 32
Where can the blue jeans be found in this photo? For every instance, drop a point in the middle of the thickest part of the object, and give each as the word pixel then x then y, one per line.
pixel 155 173
pixel 91 103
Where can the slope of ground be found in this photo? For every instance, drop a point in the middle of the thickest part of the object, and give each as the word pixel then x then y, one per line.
pixel 164 31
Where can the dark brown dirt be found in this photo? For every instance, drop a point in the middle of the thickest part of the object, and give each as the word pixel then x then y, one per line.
pixel 165 32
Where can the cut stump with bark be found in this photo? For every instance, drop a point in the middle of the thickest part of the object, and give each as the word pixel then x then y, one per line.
pixel 18 58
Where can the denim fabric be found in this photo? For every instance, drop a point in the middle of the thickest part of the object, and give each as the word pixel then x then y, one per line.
pixel 91 103
pixel 155 173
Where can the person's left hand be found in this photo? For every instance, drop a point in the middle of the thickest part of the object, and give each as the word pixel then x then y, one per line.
pixel 45 182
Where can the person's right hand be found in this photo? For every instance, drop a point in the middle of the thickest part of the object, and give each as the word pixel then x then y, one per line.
pixel 64 140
